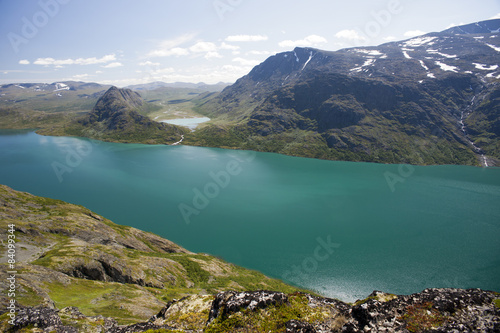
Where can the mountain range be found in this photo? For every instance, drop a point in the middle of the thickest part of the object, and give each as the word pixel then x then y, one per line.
pixel 431 99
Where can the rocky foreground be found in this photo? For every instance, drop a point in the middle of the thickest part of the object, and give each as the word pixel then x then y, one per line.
pixel 432 310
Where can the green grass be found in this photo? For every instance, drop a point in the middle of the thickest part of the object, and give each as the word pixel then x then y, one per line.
pixel 497 302
pixel 271 319
pixel 95 298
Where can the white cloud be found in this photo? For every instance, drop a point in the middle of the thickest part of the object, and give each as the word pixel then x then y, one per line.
pixel 246 38
pixel 170 43
pixel 225 46
pixel 246 62
pixel 311 40
pixel 390 38
pixel 497 16
pixel 58 63
pixel 113 65
pixel 203 47
pixel 212 74
pixel 98 72
pixel 176 51
pixel 255 52
pixel 414 33
pixel 80 76
pixel 163 70
pixel 349 35
pixel 149 63
pixel 170 47
pixel 24 62
pixel 454 25
pixel 212 54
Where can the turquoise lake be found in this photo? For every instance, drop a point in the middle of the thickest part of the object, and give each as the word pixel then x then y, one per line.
pixel 342 229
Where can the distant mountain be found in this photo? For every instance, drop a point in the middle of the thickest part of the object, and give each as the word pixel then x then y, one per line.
pixel 196 86
pixel 432 99
pixel 484 27
pixel 117 117
pixel 54 97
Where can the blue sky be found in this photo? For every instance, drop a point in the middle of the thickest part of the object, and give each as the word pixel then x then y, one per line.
pixel 125 42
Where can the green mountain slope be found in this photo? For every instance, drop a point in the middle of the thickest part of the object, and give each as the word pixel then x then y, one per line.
pixel 119 116
pixel 69 256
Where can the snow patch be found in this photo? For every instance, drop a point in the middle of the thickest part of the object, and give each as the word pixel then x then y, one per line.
pixel 370 52
pixel 406 55
pixel 494 47
pixel 368 62
pixel 419 41
pixel 296 57
pixel 441 54
pixel 20 86
pixel 493 75
pixel 484 67
pixel 423 65
pixel 310 57
pixel 446 67
pixel 61 86
pixel 431 75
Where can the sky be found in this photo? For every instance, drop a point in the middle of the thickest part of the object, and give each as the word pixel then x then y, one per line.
pixel 124 42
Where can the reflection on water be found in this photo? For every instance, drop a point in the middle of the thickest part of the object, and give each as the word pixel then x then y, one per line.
pixel 190 123
pixel 335 227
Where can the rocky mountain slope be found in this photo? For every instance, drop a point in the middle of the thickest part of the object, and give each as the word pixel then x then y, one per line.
pixel 118 116
pixel 79 272
pixel 426 100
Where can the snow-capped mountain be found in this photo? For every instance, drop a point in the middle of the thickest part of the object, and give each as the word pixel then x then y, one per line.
pixel 379 103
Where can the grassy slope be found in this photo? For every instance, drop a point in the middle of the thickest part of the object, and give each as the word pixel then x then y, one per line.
pixel 56 239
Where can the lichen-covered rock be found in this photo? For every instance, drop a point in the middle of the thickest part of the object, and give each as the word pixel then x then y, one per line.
pixel 229 302
pixel 439 310
pixel 188 313
pixel 432 310
pixel 295 326
pixel 44 318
